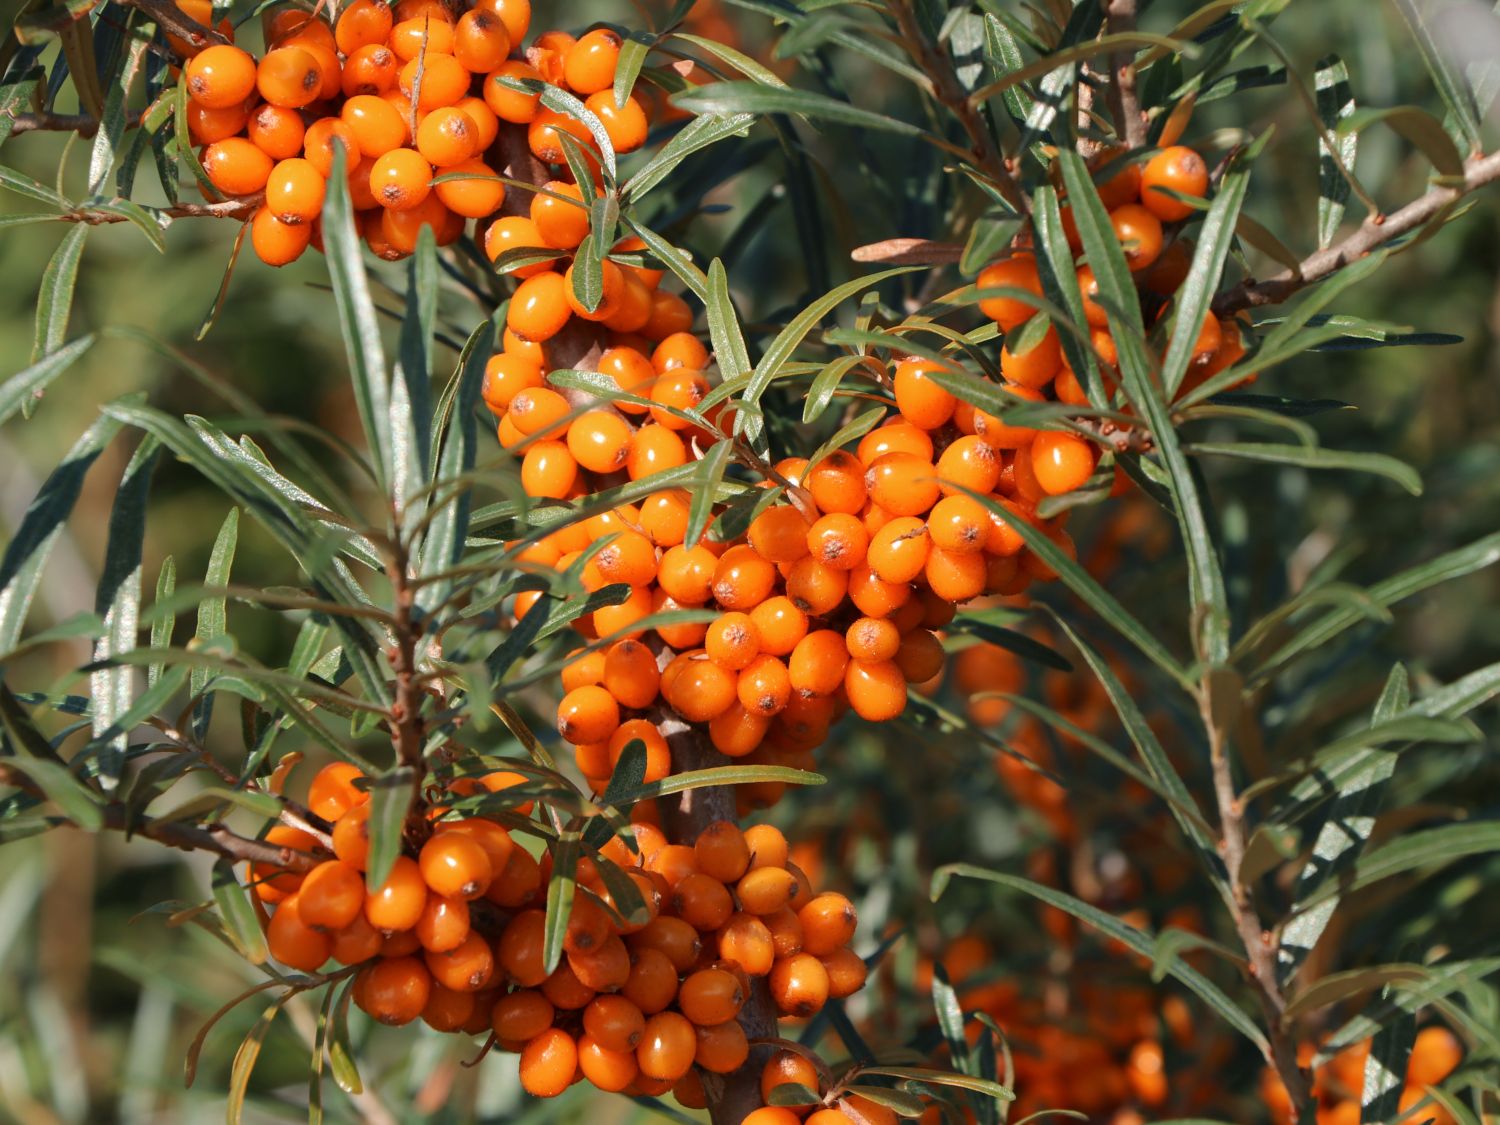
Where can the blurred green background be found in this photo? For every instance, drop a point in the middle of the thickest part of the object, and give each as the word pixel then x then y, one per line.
pixel 97 1005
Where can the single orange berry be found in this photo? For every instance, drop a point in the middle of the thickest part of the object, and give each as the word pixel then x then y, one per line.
pixel 220 76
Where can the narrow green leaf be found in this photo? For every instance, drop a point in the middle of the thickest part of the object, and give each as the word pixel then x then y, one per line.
pixel 22 391
pixel 118 601
pixel 410 422
pixel 54 301
pixel 390 799
pixel 162 624
pixel 698 134
pixel 1335 103
pixel 357 320
pixel 633 52
pixel 112 121
pixel 340 1049
pixel 721 775
pixel 789 338
pixel 1450 85
pixel 1139 940
pixel 26 554
pixel 724 98
pixel 32 755
pixel 561 890
pixel 737 59
pixel 237 913
pixel 213 619
pixel 1195 295
pixel 245 1058
pixel 1083 584
pixel 1338 987
pixel 1380 464
pixel 705 489
pixel 1432 847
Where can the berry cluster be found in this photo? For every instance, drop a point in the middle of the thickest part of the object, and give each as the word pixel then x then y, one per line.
pixel 416 94
pixel 1144 201
pixel 455 937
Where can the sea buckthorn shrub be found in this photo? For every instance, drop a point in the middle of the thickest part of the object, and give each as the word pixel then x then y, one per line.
pixel 765 620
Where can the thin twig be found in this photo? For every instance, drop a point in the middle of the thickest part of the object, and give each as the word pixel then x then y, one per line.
pixel 1259 947
pixel 1124 104
pixel 46 121
pixel 240 208
pixel 1371 235
pixel 935 62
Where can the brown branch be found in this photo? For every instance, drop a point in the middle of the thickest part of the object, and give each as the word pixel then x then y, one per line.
pixel 1259 946
pixel 407 727
pixel 240 208
pixel 731 1097
pixel 81 123
pixel 1124 104
pixel 1373 233
pixel 935 62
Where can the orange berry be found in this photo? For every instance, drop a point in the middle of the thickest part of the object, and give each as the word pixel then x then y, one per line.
pixel 467 967
pixel 710 996
pixel 397 903
pixel 362 23
pixel 236 167
pixel 514 14
pixel 787 1068
pixel 548 1063
pixel 481 41
pixel 609 1070
pixel 356 942
pixel 898 551
pixel 1139 232
pixel 1036 366
pixel 394 990
pixel 779 534
pixel 447 136
pixel 828 922
pixel 548 470
pixel 521 1015
pixel 630 674
pixel 539 307
pixel 587 714
pixel 561 217
pixel 732 641
pixel 220 76
pixel 418 34
pixel 293 942
pixel 454 865
pixel 652 983
pixel 614 1022
pixel 670 316
pixel 667 1047
pixel 331 897
pixel 1017 272
pixel 400 179
pixel 514 232
pixel 625 125
pixel 680 349
pixel 294 191
pixel 722 852
pixel 444 923
pixel 779 624
pixel 545 129
pixel 765 890
pixel 290 77
pixel 764 686
pixel 799 985
pixel 590 64
pixel 475 195
pixel 722 1048
pixel 903 484
pixel 205 125
pixel 877 691
pixel 1178 169
pixel 1062 462
pixel 958 523
pixel 515 106
pixel 702 902
pixel 679 389
pixel 922 401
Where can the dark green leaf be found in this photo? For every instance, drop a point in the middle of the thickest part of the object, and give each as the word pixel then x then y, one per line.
pixel 1335 103
pixel 561 890
pixel 213 617
pixel 1451 87
pixel 1301 456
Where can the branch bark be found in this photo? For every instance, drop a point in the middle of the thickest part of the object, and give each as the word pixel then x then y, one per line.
pixel 731 1097
pixel 1373 233
pixel 1125 105
pixel 1259 947
pixel 241 208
